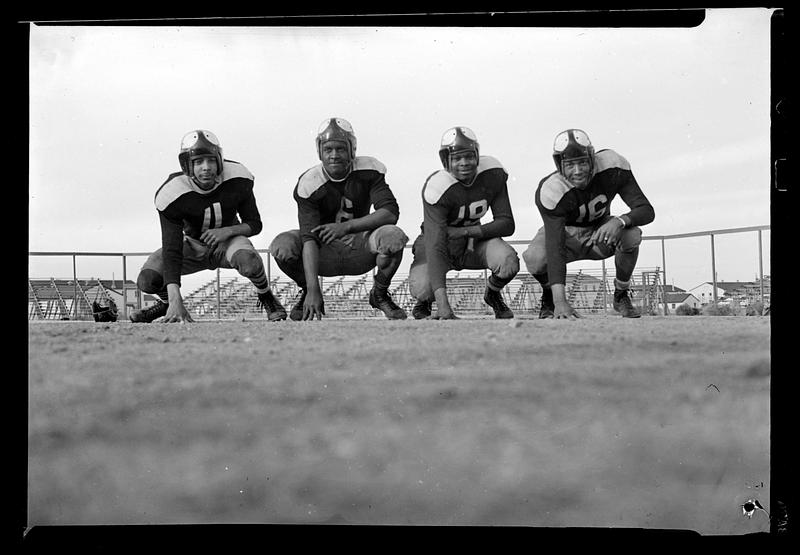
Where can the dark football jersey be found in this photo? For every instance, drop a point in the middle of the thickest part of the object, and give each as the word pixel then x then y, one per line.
pixel 561 204
pixel 448 202
pixel 184 208
pixel 320 200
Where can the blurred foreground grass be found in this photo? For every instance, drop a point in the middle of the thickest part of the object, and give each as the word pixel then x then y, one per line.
pixel 650 423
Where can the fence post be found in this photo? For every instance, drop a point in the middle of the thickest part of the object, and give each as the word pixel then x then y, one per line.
pixel 74 288
pixel 664 288
pixel 605 289
pixel 124 289
pixel 760 271
pixel 219 300
pixel 713 270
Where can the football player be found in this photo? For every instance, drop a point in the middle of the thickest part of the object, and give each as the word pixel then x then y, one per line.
pixel 575 204
pixel 454 200
pixel 338 234
pixel 199 209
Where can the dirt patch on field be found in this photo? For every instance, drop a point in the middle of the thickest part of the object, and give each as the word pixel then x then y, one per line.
pixel 660 422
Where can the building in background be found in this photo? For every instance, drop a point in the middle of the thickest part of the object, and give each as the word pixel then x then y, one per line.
pixel 734 293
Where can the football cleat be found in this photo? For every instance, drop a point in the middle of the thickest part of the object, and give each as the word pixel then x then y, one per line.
pixel 495 300
pixel 548 307
pixel 381 300
pixel 147 315
pixel 273 306
pixel 297 310
pixel 623 305
pixel 422 310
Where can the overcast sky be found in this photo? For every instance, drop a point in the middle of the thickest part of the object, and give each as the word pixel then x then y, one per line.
pixel 688 108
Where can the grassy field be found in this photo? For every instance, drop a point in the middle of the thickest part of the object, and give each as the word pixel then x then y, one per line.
pixel 661 422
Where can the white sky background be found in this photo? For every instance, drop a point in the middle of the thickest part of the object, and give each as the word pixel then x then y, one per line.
pixel 688 108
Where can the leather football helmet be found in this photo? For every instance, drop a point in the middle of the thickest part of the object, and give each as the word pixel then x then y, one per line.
pixel 196 144
pixel 336 129
pixel 457 139
pixel 572 144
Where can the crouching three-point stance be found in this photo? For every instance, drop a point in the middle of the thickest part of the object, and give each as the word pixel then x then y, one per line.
pixel 575 204
pixel 338 234
pixel 454 199
pixel 199 210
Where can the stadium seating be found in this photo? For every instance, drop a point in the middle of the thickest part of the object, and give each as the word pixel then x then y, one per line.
pixel 235 297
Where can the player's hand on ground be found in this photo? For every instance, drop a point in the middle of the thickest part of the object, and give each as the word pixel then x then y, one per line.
pixel 330 232
pixel 443 309
pixel 213 237
pixel 176 312
pixel 444 315
pixel 565 311
pixel 314 306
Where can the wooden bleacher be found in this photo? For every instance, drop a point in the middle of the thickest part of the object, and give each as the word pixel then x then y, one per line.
pixel 345 296
pixel 67 299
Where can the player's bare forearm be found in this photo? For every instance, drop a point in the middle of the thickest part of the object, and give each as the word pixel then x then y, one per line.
pixel 460 232
pixel 372 221
pixel 609 232
pixel 443 310
pixel 176 311
pixel 559 292
pixel 311 265
pixel 313 307
pixel 332 231
pixel 562 308
pixel 215 236
pixel 240 229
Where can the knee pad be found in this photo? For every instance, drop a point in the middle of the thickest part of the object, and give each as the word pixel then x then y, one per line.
pixel 388 240
pixel 150 281
pixel 247 262
pixel 535 259
pixel 630 240
pixel 286 246
pixel 510 265
pixel 419 286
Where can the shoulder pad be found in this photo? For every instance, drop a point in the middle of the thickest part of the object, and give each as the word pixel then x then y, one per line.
pixel 310 181
pixel 231 169
pixel 176 186
pixel 553 189
pixel 368 163
pixel 606 159
pixel 489 163
pixel 436 185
